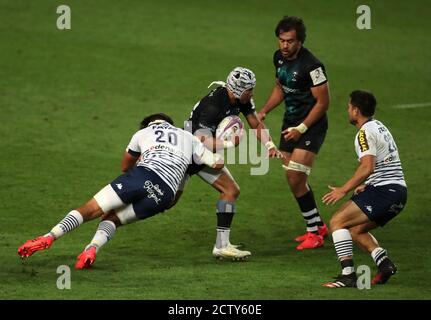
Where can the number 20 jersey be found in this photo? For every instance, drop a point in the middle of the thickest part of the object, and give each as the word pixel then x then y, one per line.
pixel 166 150
pixel 373 138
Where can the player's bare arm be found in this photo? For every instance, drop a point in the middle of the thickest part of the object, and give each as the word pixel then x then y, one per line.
pixel 321 93
pixel 365 169
pixel 212 143
pixel 128 161
pixel 263 135
pixel 276 97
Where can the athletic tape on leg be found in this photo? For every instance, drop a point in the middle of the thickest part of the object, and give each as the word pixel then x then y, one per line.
pixel 225 206
pixel 295 166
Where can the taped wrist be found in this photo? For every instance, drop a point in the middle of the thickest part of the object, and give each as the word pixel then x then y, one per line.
pixel 228 144
pixel 302 128
pixel 270 145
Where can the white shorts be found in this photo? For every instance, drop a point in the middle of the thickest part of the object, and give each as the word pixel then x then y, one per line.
pixel 126 214
pixel 207 174
pixel 108 199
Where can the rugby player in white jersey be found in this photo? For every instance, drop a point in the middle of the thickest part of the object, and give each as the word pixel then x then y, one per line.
pixel 154 164
pixel 380 193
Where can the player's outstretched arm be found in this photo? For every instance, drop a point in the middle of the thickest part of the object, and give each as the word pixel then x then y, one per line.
pixel 365 169
pixel 202 155
pixel 276 97
pixel 210 142
pixel 262 134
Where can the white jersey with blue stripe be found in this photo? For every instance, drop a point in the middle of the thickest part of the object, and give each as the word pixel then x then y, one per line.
pixel 375 139
pixel 166 150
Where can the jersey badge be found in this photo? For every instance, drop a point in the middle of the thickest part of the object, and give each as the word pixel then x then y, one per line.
pixel 317 76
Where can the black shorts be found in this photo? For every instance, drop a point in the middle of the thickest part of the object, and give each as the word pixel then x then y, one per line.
pixel 194 168
pixel 311 140
pixel 383 203
pixel 145 190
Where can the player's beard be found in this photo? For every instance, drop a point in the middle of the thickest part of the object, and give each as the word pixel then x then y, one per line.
pixel 291 54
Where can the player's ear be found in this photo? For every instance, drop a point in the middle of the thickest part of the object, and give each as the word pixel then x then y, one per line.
pixel 356 110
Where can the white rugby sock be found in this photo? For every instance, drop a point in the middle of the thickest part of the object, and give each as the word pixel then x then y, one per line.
pixel 105 232
pixel 71 221
pixel 379 254
pixel 343 244
pixel 222 239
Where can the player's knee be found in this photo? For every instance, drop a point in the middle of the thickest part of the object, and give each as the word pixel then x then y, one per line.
pixel 334 224
pixel 235 190
pixel 111 216
pixel 356 231
pixel 296 180
pixel 232 190
pixel 91 210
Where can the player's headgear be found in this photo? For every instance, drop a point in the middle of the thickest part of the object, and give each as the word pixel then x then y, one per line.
pixel 240 80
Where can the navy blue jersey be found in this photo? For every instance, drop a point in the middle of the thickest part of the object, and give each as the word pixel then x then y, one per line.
pixel 213 108
pixel 297 77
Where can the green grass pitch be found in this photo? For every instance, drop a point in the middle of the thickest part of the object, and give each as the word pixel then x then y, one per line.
pixel 70 101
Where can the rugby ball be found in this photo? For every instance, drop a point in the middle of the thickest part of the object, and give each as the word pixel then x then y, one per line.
pixel 230 128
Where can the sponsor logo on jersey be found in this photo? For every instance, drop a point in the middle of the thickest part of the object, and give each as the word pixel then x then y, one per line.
pixel 362 140
pixel 119 186
pixel 162 148
pixel 290 90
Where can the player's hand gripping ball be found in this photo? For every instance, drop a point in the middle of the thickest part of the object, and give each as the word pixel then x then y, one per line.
pixel 231 129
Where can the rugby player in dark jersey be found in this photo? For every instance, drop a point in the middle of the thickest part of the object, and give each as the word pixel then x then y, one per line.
pixel 230 98
pixel 301 83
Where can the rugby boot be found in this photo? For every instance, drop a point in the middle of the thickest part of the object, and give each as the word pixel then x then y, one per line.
pixel 342 281
pixel 86 259
pixel 311 242
pixel 31 246
pixel 231 253
pixel 323 231
pixel 386 270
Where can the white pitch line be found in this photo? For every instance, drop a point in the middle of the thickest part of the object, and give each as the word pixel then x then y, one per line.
pixel 412 105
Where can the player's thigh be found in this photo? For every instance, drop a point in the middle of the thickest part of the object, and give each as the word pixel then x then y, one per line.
pixel 286 159
pixel 299 167
pixel 222 180
pixel 151 205
pixel 303 157
pixel 123 215
pixel 348 216
pixel 107 199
